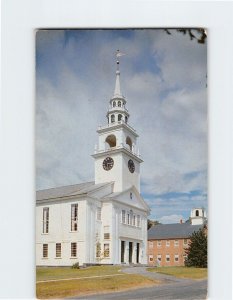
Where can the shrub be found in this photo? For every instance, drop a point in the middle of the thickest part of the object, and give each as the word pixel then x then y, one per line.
pixel 75 266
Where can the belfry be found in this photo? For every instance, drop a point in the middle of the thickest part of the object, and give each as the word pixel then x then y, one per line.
pixel 117 155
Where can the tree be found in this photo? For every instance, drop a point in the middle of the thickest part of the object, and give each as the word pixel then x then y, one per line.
pixel 198 34
pixel 151 223
pixel 197 250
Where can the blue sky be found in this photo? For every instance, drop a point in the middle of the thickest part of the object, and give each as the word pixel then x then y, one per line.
pixel 163 78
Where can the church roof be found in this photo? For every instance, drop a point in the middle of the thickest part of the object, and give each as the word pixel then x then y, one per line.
pixel 167 231
pixel 69 190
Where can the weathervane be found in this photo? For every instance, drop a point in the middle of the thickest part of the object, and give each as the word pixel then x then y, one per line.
pixel 118 54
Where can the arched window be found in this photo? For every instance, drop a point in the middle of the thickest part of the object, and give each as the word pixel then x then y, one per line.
pixel 119 117
pixel 111 140
pixel 197 213
pixel 114 103
pixel 126 119
pixel 129 142
pixel 112 118
pixel 119 103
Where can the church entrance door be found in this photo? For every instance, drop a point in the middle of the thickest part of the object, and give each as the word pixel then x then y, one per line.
pixel 130 252
pixel 122 251
pixel 137 253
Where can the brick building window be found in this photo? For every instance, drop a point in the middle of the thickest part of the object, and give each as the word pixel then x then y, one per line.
pixel 151 258
pixel 159 257
pixel 167 243
pixel 159 243
pixel 185 242
pixel 151 244
pixel 176 258
pixel 176 243
pixel 167 258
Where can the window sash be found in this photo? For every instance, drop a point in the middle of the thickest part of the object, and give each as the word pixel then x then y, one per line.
pixel 45 220
pixel 73 249
pixel 123 216
pixel 45 250
pixel 138 221
pixel 58 249
pixel 106 250
pixel 74 217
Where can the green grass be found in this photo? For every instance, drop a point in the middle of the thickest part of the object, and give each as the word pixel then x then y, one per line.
pixel 46 273
pixel 74 287
pixel 182 272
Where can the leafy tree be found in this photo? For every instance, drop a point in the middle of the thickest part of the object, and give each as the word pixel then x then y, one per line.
pixel 197 250
pixel 151 223
pixel 198 34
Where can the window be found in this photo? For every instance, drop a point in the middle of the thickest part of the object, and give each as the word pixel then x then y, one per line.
pixel 119 103
pixel 138 221
pixel 45 220
pixel 112 118
pixel 98 249
pixel 185 242
pixel 185 257
pixel 58 249
pixel 45 250
pixel 197 213
pixel 119 117
pixel 131 195
pixel 114 103
pixel 176 243
pixel 167 257
pixel 106 233
pixel 126 119
pixel 151 244
pixel 159 243
pixel 134 220
pixel 106 250
pixel 167 243
pixel 128 218
pixel 131 217
pixel 73 249
pixel 159 257
pixel 74 217
pixel 176 258
pixel 151 258
pixel 98 214
pixel 123 216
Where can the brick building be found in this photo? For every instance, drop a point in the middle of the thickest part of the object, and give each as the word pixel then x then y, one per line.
pixel 167 242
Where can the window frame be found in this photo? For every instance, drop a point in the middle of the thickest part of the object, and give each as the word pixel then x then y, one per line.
pixel 58 251
pixel 74 217
pixel 45 220
pixel 73 250
pixel 106 250
pixel 45 252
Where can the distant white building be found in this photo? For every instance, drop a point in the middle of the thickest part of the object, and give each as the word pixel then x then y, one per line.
pixel 198 216
pixel 104 221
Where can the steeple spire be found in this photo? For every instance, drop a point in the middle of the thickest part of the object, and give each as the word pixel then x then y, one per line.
pixel 117 91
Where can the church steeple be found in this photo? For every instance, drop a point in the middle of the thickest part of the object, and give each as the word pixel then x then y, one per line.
pixel 117 111
pixel 117 156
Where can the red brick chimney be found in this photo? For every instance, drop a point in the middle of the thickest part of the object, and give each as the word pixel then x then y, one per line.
pixel 181 221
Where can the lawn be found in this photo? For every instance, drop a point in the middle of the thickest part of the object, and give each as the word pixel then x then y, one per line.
pixel 182 272
pixel 44 273
pixel 83 286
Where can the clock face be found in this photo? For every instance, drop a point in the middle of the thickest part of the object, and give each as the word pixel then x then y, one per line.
pixel 108 163
pixel 131 166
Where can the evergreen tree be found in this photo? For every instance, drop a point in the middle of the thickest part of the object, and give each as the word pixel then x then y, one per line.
pixel 197 250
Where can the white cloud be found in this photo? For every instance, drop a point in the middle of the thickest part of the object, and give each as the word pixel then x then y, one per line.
pixel 171 219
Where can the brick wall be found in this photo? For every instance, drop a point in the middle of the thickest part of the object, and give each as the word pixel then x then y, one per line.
pixel 170 252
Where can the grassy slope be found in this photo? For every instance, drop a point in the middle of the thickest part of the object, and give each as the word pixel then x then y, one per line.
pixel 61 289
pixel 182 272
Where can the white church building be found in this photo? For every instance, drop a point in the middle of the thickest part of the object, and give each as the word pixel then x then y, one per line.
pixel 104 221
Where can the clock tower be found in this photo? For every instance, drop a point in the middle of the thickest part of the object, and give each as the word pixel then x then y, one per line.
pixel 116 155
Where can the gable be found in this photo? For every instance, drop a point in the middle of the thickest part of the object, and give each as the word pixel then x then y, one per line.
pixel 130 197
